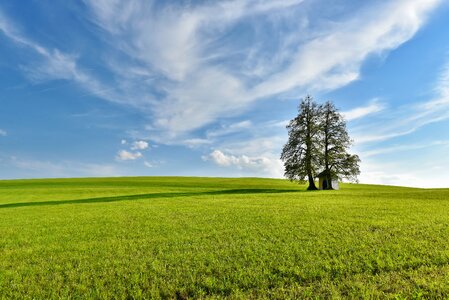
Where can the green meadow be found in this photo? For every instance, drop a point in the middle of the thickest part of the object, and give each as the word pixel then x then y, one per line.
pixel 238 238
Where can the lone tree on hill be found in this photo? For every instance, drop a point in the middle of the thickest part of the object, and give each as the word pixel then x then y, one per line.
pixel 300 154
pixel 318 140
pixel 335 141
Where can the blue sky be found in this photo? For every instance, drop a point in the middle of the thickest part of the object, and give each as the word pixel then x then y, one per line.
pixel 205 88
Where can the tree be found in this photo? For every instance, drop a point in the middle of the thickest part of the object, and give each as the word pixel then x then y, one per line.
pixel 335 141
pixel 301 152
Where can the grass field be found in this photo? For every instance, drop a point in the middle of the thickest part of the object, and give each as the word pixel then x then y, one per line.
pixel 175 237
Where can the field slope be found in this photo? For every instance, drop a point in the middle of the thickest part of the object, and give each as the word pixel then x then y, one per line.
pixel 181 237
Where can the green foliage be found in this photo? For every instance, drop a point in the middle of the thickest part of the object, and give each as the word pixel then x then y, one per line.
pixel 300 152
pixel 318 140
pixel 175 237
pixel 335 142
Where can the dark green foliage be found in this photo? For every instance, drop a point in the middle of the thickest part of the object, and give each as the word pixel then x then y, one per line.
pixel 300 152
pixel 318 140
pixel 334 144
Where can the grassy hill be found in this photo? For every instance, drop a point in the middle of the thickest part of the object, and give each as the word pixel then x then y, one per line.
pixel 180 237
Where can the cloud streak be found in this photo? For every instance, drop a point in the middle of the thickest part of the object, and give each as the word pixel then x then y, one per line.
pixel 178 67
pixel 35 168
pixel 360 112
pixel 185 65
pixel 202 77
pixel 53 64
pixel 405 120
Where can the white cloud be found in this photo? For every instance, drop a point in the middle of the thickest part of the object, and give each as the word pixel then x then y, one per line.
pixel 364 137
pixel 360 112
pixel 51 64
pixel 203 78
pixel 194 142
pixel 390 164
pixel 139 145
pixel 123 142
pixel 407 119
pixel 263 164
pixel 399 173
pixel 42 168
pixel 3 132
pixel 229 129
pixel 221 159
pixel 279 124
pixel 181 52
pixel 172 38
pixel 148 164
pixel 267 145
pixel 327 61
pixel 442 90
pixel 126 155
pixel 10 31
pixel 400 148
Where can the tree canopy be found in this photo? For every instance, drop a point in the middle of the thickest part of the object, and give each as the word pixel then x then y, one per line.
pixel 300 153
pixel 335 142
pixel 318 141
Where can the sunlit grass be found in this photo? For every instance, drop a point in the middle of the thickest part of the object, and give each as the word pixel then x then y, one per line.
pixel 181 237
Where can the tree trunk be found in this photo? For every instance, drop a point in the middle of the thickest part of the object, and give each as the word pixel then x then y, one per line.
pixel 312 186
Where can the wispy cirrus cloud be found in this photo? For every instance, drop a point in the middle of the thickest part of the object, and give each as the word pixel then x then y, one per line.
pixel 387 159
pixel 229 129
pixel 178 65
pixel 402 148
pixel 326 62
pixel 181 69
pixel 360 112
pixel 202 76
pixel 52 64
pixel 185 65
pixel 35 168
pixel 407 119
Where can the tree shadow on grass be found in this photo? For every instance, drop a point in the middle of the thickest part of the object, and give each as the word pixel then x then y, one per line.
pixel 147 196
